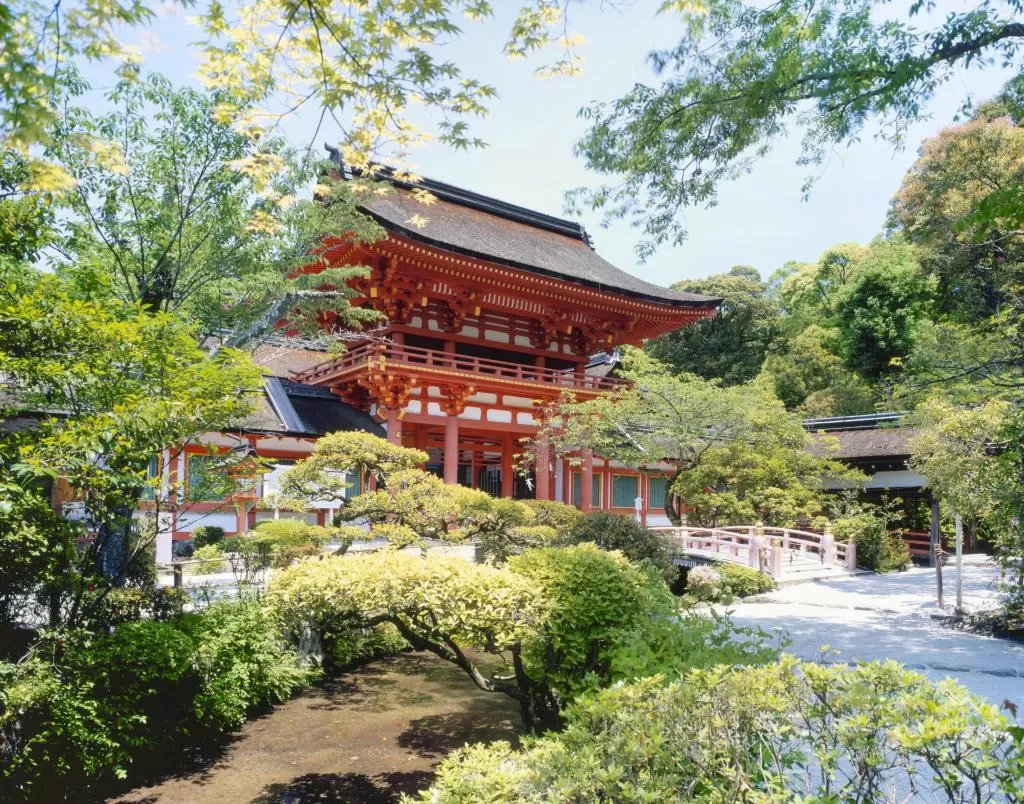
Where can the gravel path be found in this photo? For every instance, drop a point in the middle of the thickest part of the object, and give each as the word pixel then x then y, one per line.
pixel 894 617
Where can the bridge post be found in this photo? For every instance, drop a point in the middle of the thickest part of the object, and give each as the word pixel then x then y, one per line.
pixel 775 561
pixel 754 558
pixel 828 546
pixel 851 555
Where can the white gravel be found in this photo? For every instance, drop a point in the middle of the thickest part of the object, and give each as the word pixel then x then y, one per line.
pixel 895 617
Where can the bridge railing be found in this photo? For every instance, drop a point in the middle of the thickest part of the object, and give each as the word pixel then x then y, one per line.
pixel 761 547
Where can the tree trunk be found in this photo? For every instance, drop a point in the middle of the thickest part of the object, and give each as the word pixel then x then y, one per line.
pixel 670 499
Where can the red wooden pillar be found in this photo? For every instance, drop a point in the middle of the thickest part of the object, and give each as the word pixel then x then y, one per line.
pixel 507 479
pixel 543 469
pixel 587 482
pixel 394 427
pixel 451 449
pixel 607 480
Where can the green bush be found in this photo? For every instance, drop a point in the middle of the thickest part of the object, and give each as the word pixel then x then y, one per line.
pixel 554 514
pixel 608 619
pixel 242 663
pixel 109 607
pixel 633 540
pixel 81 717
pixel 877 548
pixel 349 647
pixel 206 535
pixel 82 706
pixel 740 581
pixel 567 619
pixel 212 556
pixel 52 734
pixel 784 732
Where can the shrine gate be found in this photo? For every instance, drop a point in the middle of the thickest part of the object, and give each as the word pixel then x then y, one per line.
pixel 493 311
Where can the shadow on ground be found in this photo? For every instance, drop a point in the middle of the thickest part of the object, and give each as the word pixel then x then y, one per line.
pixel 366 736
pixel 345 787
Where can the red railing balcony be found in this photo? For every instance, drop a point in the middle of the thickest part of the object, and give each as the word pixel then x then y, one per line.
pixel 418 360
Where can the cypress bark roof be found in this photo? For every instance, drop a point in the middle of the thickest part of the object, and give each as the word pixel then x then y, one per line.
pixel 473 225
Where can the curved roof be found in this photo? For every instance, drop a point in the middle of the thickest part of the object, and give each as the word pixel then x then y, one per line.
pixel 473 225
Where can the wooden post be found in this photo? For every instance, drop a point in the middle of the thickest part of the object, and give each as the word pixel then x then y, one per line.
pixel 507 477
pixel 178 582
pixel 451 450
pixel 394 427
pixel 828 546
pixel 935 551
pixel 587 482
pixel 543 468
pixel 959 564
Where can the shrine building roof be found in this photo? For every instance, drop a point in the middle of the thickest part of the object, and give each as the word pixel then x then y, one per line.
pixel 477 226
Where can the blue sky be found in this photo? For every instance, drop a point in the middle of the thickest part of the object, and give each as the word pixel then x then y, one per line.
pixel 760 219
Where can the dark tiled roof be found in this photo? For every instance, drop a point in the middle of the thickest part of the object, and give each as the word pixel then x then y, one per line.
pixel 472 225
pixel 317 411
pixel 291 408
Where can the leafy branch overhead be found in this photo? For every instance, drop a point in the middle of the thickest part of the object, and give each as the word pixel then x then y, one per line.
pixel 744 74
pixel 366 66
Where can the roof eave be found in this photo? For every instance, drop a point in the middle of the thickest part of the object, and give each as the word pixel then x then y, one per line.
pixel 706 302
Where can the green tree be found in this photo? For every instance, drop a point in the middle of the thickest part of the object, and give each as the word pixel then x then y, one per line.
pixel 732 345
pixel 807 291
pixel 743 73
pixel 809 377
pixel 162 215
pixel 879 309
pixel 760 479
pixel 26 218
pixel 660 416
pixel 940 206
pixel 110 386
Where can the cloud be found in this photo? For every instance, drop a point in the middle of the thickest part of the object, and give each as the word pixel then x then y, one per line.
pixel 151 44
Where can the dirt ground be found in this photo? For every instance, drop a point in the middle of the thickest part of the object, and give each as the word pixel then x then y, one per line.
pixel 365 737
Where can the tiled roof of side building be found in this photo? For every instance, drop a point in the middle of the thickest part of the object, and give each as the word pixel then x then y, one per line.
pixel 477 226
pixel 293 409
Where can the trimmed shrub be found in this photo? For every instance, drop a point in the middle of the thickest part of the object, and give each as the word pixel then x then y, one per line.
pixel 205 535
pixel 633 540
pixel 554 514
pixel 571 619
pixel 789 731
pixel 877 548
pixel 740 581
